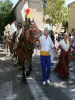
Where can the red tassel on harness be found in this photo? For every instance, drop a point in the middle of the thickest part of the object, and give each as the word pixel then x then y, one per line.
pixel 27 11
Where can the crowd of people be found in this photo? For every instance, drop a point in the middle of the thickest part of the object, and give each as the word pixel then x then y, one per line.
pixel 47 48
pixel 48 45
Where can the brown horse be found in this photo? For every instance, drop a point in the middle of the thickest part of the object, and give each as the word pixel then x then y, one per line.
pixel 25 50
pixel 6 41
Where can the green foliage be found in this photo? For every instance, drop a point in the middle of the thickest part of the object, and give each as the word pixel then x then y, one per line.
pixel 5 9
pixel 57 11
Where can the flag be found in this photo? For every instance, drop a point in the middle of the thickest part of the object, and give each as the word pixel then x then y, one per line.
pixel 28 16
pixel 23 10
pixel 12 29
pixel 27 11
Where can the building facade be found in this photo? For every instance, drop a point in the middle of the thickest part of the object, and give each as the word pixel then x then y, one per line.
pixel 36 7
pixel 71 23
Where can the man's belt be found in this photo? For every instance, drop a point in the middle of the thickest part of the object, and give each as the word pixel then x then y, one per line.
pixel 44 53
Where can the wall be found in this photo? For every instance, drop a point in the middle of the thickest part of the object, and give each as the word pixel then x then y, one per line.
pixel 71 23
pixel 36 7
pixel 18 13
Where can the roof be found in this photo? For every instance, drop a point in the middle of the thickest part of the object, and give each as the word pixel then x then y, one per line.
pixel 71 3
pixel 16 5
pixel 11 16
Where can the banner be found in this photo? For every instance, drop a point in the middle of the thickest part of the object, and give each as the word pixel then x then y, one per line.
pixel 12 29
pixel 23 13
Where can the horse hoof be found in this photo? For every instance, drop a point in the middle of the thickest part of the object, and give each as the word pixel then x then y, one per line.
pixel 19 68
pixel 30 69
pixel 24 81
pixel 28 73
pixel 15 65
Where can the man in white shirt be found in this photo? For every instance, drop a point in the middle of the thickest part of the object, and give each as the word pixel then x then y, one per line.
pixel 45 44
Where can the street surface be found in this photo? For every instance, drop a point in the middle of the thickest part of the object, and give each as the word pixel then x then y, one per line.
pixel 11 87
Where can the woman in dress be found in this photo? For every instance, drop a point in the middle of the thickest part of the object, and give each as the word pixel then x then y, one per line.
pixel 62 67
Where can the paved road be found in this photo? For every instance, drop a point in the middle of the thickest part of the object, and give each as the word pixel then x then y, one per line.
pixel 12 89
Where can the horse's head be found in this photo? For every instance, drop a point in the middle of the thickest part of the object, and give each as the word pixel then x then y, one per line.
pixel 27 34
pixel 31 33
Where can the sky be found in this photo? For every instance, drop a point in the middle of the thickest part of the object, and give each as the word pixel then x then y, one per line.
pixel 67 1
pixel 14 1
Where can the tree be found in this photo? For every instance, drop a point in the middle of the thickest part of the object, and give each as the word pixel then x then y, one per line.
pixel 57 11
pixel 5 9
pixel 65 18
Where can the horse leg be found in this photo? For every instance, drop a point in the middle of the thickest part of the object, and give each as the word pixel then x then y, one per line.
pixel 19 61
pixel 16 60
pixel 10 48
pixel 30 65
pixel 30 62
pixel 5 45
pixel 23 70
pixel 30 68
pixel 7 48
pixel 19 64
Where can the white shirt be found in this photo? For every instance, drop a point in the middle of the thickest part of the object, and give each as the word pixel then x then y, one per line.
pixel 46 44
pixel 12 29
pixel 65 46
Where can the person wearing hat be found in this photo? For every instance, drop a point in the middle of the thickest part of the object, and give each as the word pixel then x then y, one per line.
pixel 45 45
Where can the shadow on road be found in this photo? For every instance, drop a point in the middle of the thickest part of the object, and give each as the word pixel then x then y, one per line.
pixel 10 87
pixel 59 89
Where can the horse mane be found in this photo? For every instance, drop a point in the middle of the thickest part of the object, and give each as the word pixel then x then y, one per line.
pixel 28 35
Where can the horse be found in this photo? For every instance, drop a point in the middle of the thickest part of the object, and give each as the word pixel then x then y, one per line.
pixel 7 40
pixel 25 49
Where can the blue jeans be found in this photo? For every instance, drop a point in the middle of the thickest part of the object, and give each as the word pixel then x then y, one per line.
pixel 46 67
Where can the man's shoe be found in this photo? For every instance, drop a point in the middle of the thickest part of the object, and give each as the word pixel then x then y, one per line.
pixel 48 82
pixel 44 83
